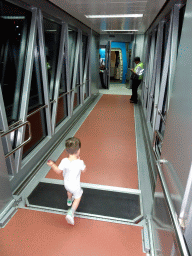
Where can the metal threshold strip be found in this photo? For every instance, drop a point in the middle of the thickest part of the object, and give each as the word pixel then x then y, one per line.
pixel 98 202
pixel 84 215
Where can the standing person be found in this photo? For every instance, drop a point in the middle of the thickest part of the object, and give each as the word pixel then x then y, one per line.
pixel 101 72
pixel 137 76
pixel 71 168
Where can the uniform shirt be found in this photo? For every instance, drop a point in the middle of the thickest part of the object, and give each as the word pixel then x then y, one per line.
pixel 72 171
pixel 139 70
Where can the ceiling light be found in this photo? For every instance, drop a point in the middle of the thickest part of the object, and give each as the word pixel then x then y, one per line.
pixel 119 30
pixel 13 17
pixel 115 16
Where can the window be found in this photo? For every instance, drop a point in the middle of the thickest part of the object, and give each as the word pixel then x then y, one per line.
pixel 52 41
pixel 14 23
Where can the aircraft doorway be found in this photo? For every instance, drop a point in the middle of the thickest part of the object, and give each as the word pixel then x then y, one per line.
pixel 116 66
pixel 119 62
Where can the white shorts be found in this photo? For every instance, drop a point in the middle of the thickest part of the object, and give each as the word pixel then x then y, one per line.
pixel 76 191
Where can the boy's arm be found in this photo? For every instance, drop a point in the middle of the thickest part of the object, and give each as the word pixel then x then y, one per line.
pixel 54 166
pixel 85 166
pixel 84 169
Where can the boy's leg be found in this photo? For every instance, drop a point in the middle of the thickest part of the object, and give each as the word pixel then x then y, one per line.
pixel 69 195
pixel 69 198
pixel 70 215
pixel 75 204
pixel 71 212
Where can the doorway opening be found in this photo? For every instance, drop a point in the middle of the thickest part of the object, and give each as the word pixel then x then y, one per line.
pixel 116 66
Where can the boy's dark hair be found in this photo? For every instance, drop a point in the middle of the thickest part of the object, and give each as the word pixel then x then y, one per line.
pixel 137 59
pixel 72 145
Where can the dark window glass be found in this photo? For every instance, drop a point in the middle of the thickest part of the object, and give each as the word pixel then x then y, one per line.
pixel 62 109
pixel 52 41
pixel 86 92
pixel 152 107
pixel 77 87
pixel 78 73
pixel 15 24
pixel 72 48
pixel 76 97
pixel 63 82
pixel 165 40
pixel 84 50
pixel 152 112
pixel 36 100
pixel 148 48
pixel 164 109
pixel 84 55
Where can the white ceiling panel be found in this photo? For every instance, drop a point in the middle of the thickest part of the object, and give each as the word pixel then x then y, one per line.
pixel 104 2
pixel 80 8
pixel 111 9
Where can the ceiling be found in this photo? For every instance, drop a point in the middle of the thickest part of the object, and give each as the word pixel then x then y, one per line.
pixel 80 8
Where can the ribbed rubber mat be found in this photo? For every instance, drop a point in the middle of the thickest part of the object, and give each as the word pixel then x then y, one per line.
pixel 94 201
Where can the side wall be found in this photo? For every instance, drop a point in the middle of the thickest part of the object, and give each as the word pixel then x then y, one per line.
pixel 95 82
pixel 166 105
pixel 139 46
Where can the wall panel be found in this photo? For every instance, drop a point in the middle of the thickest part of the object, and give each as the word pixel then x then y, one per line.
pixel 94 65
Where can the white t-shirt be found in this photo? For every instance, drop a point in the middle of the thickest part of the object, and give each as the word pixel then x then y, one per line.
pixel 72 171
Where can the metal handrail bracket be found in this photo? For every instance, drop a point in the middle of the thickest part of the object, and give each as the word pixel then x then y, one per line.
pixel 161 115
pixel 12 130
pixel 158 135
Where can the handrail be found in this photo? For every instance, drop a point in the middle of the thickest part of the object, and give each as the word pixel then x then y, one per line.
pixel 60 96
pixel 178 230
pixel 14 124
pixel 63 94
pixel 53 101
pixel 37 110
pixel 13 129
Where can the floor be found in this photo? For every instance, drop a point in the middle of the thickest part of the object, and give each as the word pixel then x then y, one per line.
pixel 109 152
pixel 117 89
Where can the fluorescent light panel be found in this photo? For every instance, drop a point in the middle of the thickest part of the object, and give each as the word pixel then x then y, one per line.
pixel 120 30
pixel 13 17
pixel 115 16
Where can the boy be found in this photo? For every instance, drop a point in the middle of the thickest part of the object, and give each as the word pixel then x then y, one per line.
pixel 71 168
